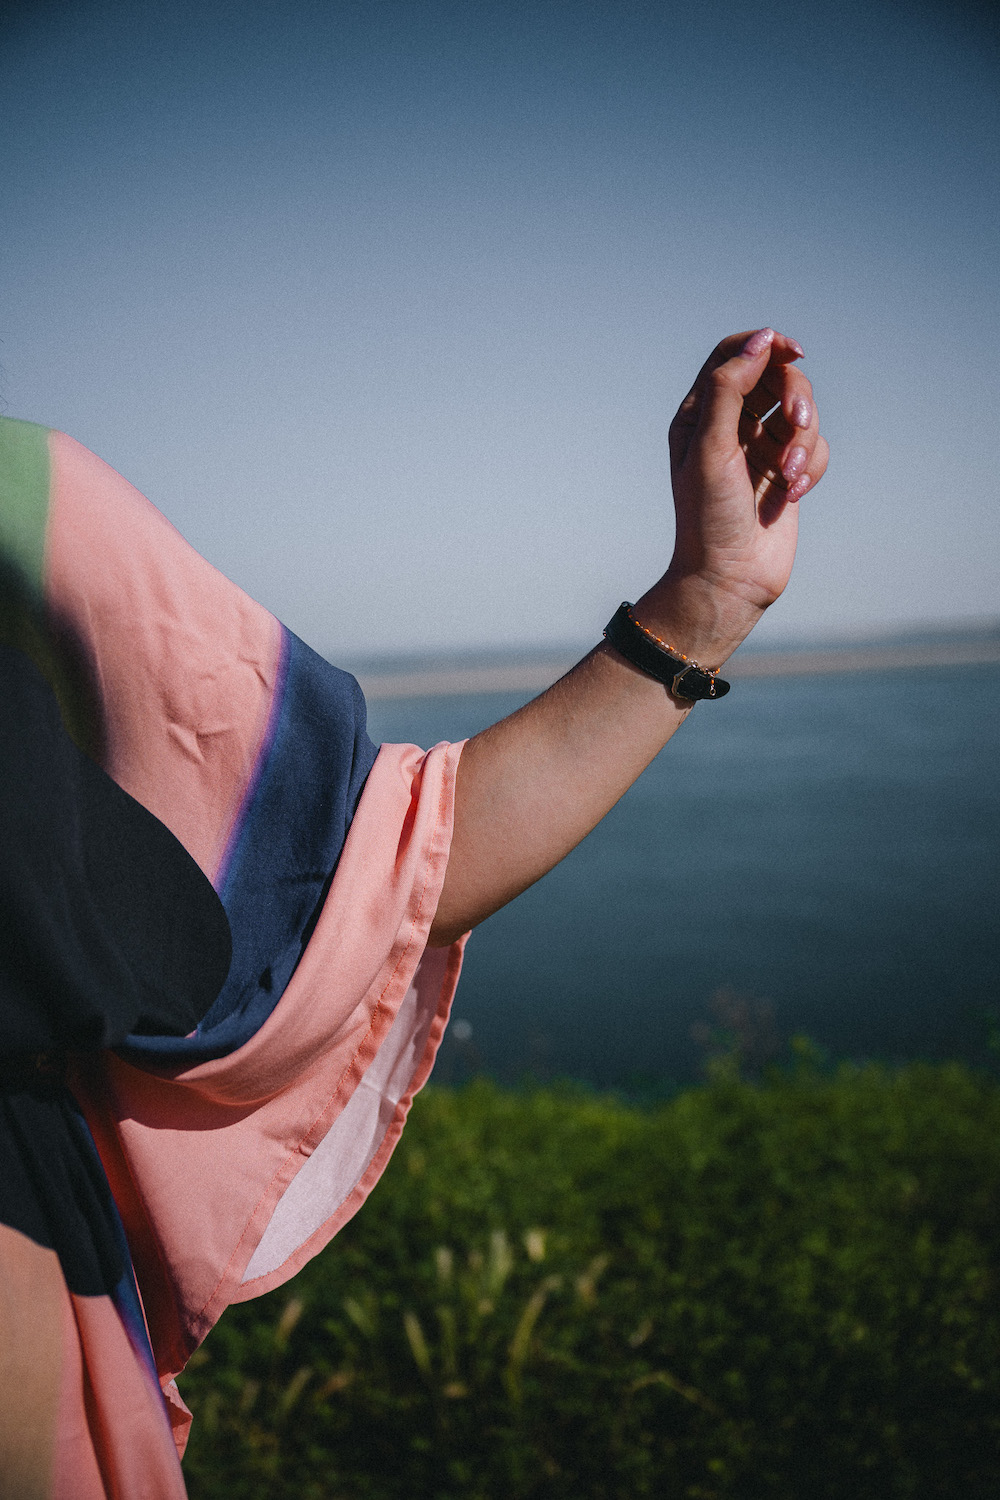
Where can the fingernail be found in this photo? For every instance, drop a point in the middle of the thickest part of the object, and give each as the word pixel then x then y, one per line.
pixel 802 412
pixel 798 348
pixel 794 464
pixel 798 489
pixel 758 342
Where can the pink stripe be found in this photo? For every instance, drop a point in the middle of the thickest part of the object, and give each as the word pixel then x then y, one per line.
pixel 185 664
pixel 113 1435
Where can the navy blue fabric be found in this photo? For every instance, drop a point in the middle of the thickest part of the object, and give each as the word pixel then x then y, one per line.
pixel 314 762
pixel 107 927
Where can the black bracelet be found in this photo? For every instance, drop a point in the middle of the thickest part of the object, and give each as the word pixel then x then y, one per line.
pixel 678 673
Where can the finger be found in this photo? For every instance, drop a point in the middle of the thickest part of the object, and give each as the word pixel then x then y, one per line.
pixel 726 389
pixel 687 416
pixel 787 434
pixel 773 489
pixel 788 451
pixel 814 473
pixel 789 389
pixel 783 351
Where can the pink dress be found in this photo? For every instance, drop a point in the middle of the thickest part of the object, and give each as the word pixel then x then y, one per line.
pixel 234 1154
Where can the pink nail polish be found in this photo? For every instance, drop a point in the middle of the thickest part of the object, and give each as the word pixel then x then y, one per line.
pixel 798 489
pixel 798 348
pixel 758 342
pixel 794 464
pixel 801 412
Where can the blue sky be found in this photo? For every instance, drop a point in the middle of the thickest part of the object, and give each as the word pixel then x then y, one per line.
pixel 388 305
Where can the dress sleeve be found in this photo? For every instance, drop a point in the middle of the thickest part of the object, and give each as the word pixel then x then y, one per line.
pixel 236 1152
pixel 231 1174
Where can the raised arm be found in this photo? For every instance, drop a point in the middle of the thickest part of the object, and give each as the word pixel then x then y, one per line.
pixel 532 786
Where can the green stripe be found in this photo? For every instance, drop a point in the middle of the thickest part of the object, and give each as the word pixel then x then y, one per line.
pixel 24 620
pixel 24 497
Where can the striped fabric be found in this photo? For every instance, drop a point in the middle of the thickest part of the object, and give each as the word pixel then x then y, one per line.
pixel 235 1153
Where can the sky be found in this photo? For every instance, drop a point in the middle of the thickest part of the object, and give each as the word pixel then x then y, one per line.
pixel 388 305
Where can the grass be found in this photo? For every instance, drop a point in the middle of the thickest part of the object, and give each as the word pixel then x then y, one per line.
pixel 784 1288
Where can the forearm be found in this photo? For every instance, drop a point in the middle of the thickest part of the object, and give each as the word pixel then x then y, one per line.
pixel 532 786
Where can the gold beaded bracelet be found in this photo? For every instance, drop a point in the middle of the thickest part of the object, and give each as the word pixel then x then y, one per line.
pixel 679 673
pixel 671 650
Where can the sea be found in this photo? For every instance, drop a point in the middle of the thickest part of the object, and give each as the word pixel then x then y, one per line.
pixel 815 856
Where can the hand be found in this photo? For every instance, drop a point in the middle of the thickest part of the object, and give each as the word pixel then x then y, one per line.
pixel 737 483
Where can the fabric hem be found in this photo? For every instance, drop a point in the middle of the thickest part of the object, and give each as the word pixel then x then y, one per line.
pixel 356 1198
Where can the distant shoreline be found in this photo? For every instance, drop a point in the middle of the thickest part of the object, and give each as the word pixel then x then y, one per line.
pixel 535 676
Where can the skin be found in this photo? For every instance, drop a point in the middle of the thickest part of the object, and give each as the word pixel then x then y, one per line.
pixel 31 1293
pixel 532 786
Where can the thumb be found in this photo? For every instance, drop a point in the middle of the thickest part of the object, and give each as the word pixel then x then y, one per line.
pixel 727 388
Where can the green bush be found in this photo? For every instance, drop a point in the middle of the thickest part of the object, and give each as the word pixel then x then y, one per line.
pixel 776 1289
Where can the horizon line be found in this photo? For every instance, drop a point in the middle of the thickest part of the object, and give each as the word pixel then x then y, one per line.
pixel 535 676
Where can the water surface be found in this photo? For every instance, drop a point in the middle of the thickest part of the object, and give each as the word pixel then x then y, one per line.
pixel 827 844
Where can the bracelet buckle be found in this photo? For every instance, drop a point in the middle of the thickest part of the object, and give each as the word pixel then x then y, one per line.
pixel 677 689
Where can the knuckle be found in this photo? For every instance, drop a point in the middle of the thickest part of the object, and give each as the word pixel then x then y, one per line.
pixel 818 460
pixel 685 415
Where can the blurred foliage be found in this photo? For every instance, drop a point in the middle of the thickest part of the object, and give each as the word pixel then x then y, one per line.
pixel 778 1288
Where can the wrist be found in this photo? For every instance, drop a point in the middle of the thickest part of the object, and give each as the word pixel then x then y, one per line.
pixel 702 619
